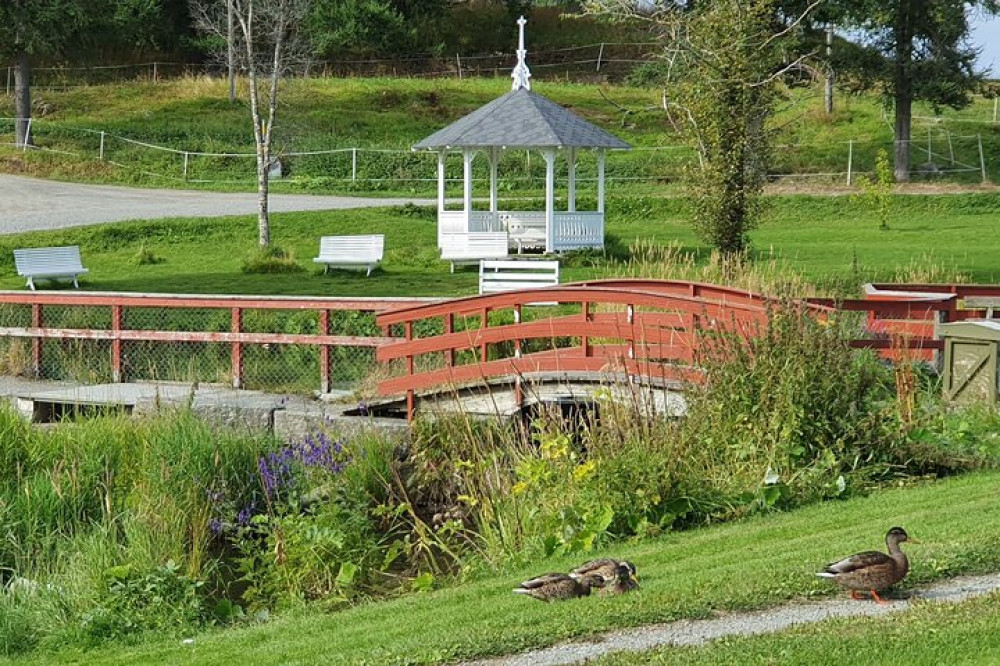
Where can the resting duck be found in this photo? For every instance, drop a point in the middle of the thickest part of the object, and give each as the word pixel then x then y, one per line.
pixel 556 586
pixel 606 568
pixel 872 570
pixel 624 581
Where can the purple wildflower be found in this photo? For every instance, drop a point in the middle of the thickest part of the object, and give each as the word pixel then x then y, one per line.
pixel 246 513
pixel 215 526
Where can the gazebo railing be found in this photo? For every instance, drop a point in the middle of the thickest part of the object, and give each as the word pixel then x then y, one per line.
pixel 578 229
pixel 571 230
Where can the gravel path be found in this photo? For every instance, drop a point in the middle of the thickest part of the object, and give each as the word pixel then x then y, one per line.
pixel 33 204
pixel 697 632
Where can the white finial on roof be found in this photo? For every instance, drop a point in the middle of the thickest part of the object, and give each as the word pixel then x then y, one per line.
pixel 521 75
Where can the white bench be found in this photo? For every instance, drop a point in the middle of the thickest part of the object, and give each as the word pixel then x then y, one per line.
pixel 49 263
pixel 472 247
pixel 351 252
pixel 495 276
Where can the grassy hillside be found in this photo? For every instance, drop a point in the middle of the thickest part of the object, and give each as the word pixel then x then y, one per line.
pixel 745 565
pixel 193 115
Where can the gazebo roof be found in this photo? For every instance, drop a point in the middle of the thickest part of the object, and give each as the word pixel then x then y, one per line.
pixel 521 119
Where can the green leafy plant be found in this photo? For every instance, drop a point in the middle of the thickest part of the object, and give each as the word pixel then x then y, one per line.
pixel 876 191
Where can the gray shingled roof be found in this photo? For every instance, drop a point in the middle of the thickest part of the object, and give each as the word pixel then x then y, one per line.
pixel 521 119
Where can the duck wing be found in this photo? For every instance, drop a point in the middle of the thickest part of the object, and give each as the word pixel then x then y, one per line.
pixel 865 560
pixel 604 566
pixel 545 580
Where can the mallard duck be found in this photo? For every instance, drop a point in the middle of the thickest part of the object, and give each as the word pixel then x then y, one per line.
pixel 872 570
pixel 624 581
pixel 555 586
pixel 605 567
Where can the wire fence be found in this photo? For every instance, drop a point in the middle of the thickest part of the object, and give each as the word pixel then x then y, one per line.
pixel 610 60
pixel 280 344
pixel 936 153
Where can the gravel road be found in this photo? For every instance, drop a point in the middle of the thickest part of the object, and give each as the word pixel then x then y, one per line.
pixel 697 632
pixel 33 204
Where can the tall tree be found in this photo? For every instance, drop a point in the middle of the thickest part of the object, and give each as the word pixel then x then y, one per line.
pixel 271 42
pixel 33 28
pixel 911 50
pixel 47 29
pixel 723 63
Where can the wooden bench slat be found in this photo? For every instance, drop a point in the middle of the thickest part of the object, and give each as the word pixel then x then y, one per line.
pixel 473 246
pixel 49 263
pixel 496 276
pixel 363 251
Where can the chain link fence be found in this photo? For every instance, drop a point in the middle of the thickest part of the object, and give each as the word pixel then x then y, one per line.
pixel 273 348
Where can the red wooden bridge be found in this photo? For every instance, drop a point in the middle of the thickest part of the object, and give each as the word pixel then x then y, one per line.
pixel 640 330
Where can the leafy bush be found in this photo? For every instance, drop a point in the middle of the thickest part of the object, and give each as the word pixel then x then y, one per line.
pixel 159 599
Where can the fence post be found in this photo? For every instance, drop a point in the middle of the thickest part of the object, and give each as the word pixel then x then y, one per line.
pixel 37 321
pixel 408 328
pixel 101 156
pixel 982 159
pixel 458 59
pixel 9 75
pixel 324 352
pixel 185 167
pixel 850 162
pixel 156 74
pixel 354 165
pixel 951 148
pixel 116 344
pixel 27 136
pixel 600 56
pixel 237 349
pixel 996 100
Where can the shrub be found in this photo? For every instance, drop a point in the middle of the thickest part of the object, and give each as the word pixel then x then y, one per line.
pixel 271 259
pixel 146 257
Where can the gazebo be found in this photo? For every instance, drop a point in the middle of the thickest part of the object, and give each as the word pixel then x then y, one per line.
pixel 523 120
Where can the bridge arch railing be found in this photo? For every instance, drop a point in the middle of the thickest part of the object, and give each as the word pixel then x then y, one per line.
pixel 644 329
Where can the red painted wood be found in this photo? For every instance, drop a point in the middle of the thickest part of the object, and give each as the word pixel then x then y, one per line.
pixel 542 329
pixel 323 325
pixel 237 348
pixel 37 321
pixel 108 299
pixel 196 336
pixel 116 343
pixel 444 378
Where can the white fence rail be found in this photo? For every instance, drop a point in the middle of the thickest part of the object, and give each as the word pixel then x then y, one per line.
pixel 935 152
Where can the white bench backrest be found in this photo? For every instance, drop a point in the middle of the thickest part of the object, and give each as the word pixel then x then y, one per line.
pixel 482 244
pixel 359 248
pixel 48 260
pixel 497 276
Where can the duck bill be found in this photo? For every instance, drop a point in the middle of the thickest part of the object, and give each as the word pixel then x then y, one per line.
pixel 912 540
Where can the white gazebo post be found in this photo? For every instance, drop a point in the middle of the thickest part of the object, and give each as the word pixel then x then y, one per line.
pixel 550 199
pixel 600 181
pixel 467 156
pixel 441 179
pixel 441 199
pixel 571 195
pixel 494 158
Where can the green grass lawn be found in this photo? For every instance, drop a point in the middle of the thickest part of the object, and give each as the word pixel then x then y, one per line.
pixel 751 564
pixel 928 635
pixel 832 241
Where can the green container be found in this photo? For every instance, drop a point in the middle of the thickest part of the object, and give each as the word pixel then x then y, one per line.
pixel 971 349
